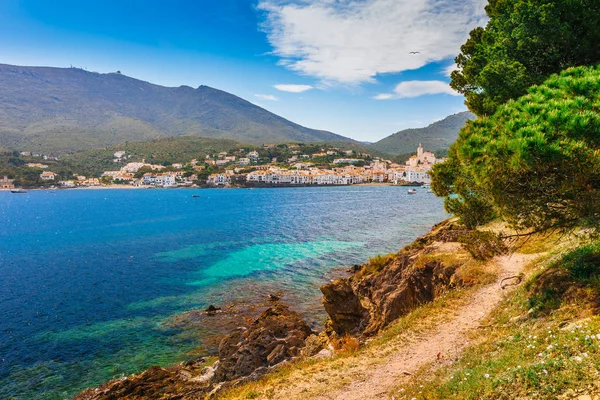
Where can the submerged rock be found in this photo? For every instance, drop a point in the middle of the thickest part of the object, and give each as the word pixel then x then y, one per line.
pixel 212 310
pixel 279 334
pixel 274 297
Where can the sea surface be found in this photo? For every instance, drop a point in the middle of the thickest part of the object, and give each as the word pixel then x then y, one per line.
pixel 94 283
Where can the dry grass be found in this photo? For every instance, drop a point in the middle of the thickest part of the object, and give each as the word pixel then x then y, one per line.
pixel 539 344
pixel 346 344
pixel 470 272
pixel 500 364
pixel 310 377
pixel 376 264
pixel 476 273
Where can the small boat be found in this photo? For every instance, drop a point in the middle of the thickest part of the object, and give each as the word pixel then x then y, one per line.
pixel 18 191
pixel 412 191
pixel 196 196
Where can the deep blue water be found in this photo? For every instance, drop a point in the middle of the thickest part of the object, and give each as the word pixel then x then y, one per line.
pixel 89 279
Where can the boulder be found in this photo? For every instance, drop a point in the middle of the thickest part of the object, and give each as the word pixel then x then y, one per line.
pixel 314 344
pixel 277 335
pixel 212 310
pixel 154 383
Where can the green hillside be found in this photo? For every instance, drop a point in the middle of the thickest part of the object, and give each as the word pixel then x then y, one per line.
pixel 157 151
pixel 437 136
pixel 183 149
pixel 58 110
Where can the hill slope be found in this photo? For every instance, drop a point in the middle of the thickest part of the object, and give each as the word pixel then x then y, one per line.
pixel 69 109
pixel 437 136
pixel 158 151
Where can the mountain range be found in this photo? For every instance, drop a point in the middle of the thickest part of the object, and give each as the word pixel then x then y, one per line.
pixel 69 109
pixel 62 110
pixel 437 136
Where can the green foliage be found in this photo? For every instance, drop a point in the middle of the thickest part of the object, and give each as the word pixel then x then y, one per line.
pixel 13 166
pixel 524 42
pixel 536 162
pixel 583 264
pixel 463 197
pixel 158 151
pixel 577 270
pixel 92 162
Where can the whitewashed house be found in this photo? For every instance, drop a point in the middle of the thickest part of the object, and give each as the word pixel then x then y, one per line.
pixel 219 180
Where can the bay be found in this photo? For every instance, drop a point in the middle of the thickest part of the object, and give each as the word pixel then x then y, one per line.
pixel 90 280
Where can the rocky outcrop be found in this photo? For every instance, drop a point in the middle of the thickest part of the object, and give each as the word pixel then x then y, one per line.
pixel 347 315
pixel 402 287
pixel 366 302
pixel 154 383
pixel 276 336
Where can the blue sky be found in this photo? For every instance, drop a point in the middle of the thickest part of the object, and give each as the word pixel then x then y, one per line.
pixel 338 65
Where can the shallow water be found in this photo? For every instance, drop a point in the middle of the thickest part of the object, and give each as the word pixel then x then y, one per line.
pixel 91 280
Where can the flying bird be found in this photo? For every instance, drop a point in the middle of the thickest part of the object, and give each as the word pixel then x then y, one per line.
pixel 415 52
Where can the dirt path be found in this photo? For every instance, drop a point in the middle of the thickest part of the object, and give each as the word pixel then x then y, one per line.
pixel 444 342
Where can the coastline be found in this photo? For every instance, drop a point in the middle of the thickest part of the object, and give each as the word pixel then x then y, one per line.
pixel 125 187
pixel 148 204
pixel 245 317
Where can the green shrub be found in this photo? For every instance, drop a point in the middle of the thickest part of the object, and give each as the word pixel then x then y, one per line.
pixel 583 264
pixel 535 162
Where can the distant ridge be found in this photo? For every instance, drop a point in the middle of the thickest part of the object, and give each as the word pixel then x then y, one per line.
pixel 69 109
pixel 438 136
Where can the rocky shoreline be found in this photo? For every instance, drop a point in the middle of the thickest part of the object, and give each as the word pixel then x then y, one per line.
pixel 358 306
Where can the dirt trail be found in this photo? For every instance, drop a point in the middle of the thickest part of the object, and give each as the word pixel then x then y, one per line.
pixel 445 341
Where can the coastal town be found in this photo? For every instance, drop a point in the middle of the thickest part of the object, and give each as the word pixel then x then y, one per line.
pixel 249 168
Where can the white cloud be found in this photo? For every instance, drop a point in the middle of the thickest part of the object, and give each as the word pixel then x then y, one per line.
pixel 293 88
pixel 411 89
pixel 384 96
pixel 351 41
pixel 449 69
pixel 268 97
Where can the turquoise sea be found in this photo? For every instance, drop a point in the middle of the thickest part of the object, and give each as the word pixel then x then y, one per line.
pixel 97 284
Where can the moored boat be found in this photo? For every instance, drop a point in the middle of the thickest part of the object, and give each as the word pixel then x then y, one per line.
pixel 412 191
pixel 18 191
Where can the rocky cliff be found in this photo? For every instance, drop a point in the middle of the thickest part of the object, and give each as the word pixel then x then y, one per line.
pixel 376 295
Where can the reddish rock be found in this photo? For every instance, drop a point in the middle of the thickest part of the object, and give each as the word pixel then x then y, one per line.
pixel 368 301
pixel 347 315
pixel 278 334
